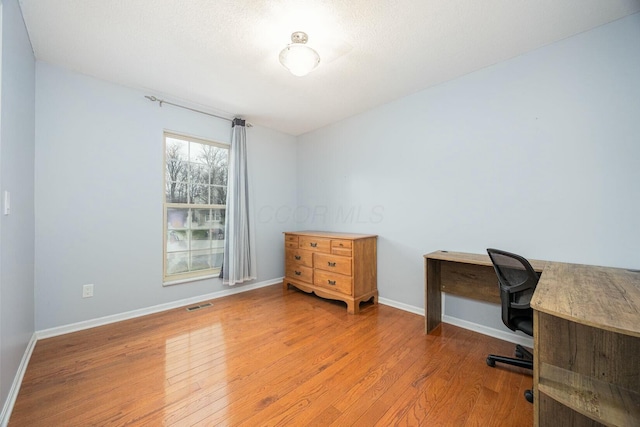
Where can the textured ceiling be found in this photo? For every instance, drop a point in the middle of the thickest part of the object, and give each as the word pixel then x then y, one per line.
pixel 222 55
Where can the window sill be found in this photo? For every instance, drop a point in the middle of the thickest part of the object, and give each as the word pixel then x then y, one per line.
pixel 191 279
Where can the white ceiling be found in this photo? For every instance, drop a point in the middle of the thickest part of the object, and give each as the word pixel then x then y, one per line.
pixel 222 55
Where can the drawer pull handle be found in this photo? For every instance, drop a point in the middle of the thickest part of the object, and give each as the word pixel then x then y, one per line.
pixel 332 282
pixel 341 245
pixel 298 273
pixel 297 257
pixel 331 264
pixel 313 244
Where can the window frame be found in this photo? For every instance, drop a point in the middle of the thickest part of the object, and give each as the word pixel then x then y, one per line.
pixel 176 278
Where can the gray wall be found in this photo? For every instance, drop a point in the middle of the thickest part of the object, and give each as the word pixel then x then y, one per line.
pixel 536 155
pixel 99 189
pixel 16 175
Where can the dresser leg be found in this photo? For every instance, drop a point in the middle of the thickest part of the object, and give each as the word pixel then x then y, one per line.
pixel 352 307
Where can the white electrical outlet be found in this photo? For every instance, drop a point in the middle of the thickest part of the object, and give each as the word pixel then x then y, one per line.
pixel 87 291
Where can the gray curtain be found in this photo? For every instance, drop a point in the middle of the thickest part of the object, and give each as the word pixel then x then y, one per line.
pixel 239 248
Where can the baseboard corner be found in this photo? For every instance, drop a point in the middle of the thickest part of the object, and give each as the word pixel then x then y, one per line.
pixel 17 381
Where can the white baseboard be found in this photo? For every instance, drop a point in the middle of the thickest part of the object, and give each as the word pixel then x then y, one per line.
pixel 92 323
pixel 401 306
pixel 492 332
pixel 87 324
pixel 17 382
pixel 476 327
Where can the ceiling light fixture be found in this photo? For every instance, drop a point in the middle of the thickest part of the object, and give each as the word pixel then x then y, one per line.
pixel 297 57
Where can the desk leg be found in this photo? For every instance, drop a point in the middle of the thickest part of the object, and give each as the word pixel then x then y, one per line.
pixel 432 295
pixel 536 368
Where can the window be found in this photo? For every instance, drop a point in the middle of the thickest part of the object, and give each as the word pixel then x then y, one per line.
pixel 195 196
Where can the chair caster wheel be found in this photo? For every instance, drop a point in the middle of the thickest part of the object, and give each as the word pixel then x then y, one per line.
pixel 528 394
pixel 491 362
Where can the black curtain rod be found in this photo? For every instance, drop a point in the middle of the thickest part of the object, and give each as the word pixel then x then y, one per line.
pixel 162 101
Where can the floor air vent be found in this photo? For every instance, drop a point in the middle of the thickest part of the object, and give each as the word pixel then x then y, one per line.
pixel 198 307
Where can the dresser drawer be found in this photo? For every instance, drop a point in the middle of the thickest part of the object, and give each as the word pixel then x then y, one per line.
pixel 299 272
pixel 298 257
pixel 341 251
pixel 290 241
pixel 335 282
pixel 333 263
pixel 341 244
pixel 316 244
pixel 341 247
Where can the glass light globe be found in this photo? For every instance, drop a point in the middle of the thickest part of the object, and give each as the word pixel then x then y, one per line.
pixel 299 59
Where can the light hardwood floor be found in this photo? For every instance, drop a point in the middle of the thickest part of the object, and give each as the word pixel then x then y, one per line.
pixel 268 357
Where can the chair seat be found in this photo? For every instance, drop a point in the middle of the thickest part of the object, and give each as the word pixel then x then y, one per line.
pixel 524 324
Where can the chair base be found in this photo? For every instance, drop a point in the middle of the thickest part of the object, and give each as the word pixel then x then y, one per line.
pixel 523 353
pixel 528 394
pixel 523 359
pixel 513 361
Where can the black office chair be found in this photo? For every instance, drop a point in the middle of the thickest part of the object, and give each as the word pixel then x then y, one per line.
pixel 517 280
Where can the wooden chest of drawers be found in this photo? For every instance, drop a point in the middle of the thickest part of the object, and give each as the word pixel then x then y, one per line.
pixel 339 266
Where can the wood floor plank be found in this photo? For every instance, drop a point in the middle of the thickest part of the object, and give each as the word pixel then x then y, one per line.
pixel 364 393
pixel 334 380
pixel 262 386
pixel 447 390
pixel 269 387
pixel 510 398
pixel 271 357
pixel 468 382
pixel 402 386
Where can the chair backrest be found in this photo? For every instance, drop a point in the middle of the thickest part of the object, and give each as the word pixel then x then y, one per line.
pixel 517 280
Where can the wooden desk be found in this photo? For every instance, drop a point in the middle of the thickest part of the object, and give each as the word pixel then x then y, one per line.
pixel 587 346
pixel 468 275
pixel 586 334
